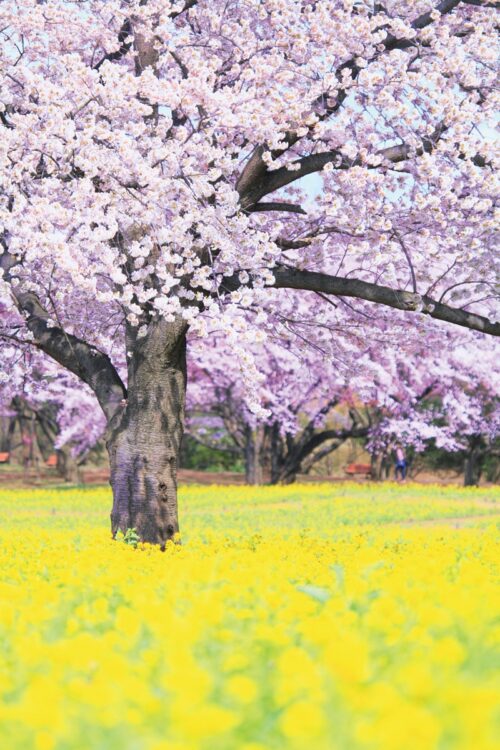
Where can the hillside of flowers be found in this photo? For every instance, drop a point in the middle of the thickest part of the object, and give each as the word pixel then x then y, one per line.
pixel 344 617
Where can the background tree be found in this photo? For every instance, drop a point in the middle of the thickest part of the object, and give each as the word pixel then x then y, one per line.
pixel 298 423
pixel 52 409
pixel 443 400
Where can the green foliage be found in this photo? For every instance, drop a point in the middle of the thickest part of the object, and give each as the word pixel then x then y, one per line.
pixel 131 537
pixel 199 457
pixel 437 459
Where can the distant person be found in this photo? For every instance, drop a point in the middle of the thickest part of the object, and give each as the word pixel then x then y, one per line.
pixel 401 465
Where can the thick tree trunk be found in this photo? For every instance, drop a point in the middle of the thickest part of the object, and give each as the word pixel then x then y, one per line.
pixel 473 465
pixel 284 472
pixel 288 475
pixel 67 466
pixel 144 439
pixel 381 466
pixel 284 463
pixel 277 451
pixel 253 455
pixel 8 435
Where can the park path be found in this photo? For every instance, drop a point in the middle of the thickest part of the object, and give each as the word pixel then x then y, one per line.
pixel 457 522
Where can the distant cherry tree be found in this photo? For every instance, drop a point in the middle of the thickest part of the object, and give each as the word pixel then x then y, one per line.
pixel 443 393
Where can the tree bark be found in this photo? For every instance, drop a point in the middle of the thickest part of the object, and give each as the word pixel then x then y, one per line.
pixel 284 463
pixel 292 455
pixel 253 455
pixel 381 466
pixel 297 278
pixel 473 464
pixel 8 435
pixel 67 466
pixel 469 471
pixel 277 451
pixel 145 438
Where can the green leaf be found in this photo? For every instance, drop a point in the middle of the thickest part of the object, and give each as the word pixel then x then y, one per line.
pixel 315 592
pixel 339 574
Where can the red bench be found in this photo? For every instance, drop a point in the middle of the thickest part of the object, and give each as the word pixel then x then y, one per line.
pixel 4 458
pixel 51 462
pixel 363 469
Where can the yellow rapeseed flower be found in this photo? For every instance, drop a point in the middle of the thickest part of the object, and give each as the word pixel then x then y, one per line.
pixel 333 617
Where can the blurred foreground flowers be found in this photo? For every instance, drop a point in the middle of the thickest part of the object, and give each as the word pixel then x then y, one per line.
pixel 304 617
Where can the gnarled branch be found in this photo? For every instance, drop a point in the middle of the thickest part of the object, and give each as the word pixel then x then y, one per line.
pixel 82 359
pixel 294 278
pixel 256 169
pixel 125 31
pixel 276 206
pixel 306 165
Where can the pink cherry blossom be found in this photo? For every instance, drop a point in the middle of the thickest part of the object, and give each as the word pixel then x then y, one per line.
pixel 318 171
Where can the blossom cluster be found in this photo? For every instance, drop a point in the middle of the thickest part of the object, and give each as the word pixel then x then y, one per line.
pixel 126 129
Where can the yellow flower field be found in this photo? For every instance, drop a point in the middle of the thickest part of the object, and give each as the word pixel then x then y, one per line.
pixel 317 616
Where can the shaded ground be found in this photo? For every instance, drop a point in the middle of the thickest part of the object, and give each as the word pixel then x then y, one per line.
pixel 15 476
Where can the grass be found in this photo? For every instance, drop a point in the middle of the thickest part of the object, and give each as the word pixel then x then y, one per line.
pixel 321 508
pixel 329 616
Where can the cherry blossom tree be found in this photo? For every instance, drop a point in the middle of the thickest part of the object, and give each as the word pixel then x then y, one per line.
pixel 442 392
pixel 64 410
pixel 152 185
pixel 446 397
pixel 297 423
